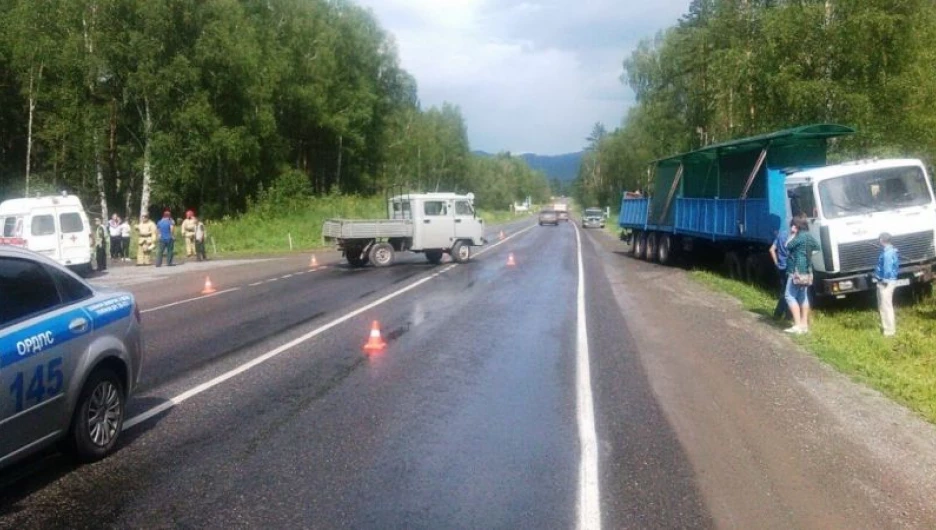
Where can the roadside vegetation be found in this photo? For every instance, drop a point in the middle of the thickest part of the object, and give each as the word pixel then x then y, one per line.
pixel 846 335
pixel 140 105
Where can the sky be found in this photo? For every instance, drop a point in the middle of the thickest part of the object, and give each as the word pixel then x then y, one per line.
pixel 530 76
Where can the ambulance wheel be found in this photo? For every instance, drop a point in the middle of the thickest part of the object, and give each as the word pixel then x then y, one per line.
pixel 381 254
pixel 434 256
pixel 461 252
pixel 98 417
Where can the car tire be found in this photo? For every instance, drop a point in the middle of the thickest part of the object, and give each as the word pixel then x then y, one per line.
pixel 460 252
pixel 98 417
pixel 434 256
pixel 382 255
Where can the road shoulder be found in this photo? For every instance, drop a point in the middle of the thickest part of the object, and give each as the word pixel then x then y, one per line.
pixel 777 438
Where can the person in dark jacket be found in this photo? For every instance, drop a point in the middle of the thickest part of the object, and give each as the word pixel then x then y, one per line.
pixel 778 253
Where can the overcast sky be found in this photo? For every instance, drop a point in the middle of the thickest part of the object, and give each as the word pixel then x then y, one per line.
pixel 529 76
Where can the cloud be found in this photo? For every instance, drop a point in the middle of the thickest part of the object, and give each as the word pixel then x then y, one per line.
pixel 529 75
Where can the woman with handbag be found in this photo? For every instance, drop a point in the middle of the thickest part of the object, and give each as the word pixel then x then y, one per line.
pixel 800 247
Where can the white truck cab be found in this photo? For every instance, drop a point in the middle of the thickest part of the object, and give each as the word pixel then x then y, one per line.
pixel 55 226
pixel 849 205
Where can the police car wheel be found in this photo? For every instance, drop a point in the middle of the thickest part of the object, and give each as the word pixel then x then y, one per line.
pixel 98 417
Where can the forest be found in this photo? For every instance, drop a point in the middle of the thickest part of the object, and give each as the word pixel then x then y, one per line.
pixel 139 105
pixel 734 68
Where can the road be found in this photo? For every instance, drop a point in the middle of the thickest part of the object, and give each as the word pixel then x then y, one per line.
pixel 506 397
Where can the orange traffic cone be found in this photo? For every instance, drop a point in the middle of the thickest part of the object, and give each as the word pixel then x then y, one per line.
pixel 501 236
pixel 375 343
pixel 313 263
pixel 510 260
pixel 208 287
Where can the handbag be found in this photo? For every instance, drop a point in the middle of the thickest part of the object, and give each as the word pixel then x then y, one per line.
pixel 802 278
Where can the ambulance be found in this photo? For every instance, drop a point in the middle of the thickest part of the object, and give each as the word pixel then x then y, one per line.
pixel 55 226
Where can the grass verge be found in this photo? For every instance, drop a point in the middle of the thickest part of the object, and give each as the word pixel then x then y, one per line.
pixel 847 336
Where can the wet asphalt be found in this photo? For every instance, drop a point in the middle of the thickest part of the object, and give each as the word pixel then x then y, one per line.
pixel 467 419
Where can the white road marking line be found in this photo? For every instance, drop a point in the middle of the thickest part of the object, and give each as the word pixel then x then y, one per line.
pixel 211 383
pixel 180 302
pixel 271 280
pixel 589 505
pixel 286 276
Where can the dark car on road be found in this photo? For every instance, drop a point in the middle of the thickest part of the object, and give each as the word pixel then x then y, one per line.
pixel 593 218
pixel 548 217
pixel 70 356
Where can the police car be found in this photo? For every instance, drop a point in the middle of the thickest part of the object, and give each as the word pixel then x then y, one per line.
pixel 70 355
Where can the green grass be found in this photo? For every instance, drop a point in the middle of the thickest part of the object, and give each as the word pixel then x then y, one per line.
pixel 847 336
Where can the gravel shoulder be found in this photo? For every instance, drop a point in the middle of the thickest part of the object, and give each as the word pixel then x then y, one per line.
pixel 777 438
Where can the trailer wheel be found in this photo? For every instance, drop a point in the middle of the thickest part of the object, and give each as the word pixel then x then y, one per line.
pixel 434 256
pixel 665 249
pixel 460 252
pixel 382 255
pixel 733 267
pixel 652 243
pixel 640 244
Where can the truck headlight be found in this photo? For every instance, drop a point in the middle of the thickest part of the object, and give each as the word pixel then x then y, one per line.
pixel 846 285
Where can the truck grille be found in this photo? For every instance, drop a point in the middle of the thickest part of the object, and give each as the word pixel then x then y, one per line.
pixel 863 255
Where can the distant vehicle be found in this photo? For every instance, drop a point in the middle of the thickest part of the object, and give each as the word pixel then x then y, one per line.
pixel 55 226
pixel 70 356
pixel 728 200
pixel 431 223
pixel 561 209
pixel 593 217
pixel 548 217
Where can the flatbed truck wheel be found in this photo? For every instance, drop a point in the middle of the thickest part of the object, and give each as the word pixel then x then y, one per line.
pixel 382 255
pixel 434 256
pixel 356 257
pixel 665 249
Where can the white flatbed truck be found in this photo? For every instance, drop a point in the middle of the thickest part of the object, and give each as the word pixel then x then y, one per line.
pixel 431 223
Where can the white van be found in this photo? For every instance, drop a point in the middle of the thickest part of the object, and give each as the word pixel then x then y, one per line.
pixel 55 226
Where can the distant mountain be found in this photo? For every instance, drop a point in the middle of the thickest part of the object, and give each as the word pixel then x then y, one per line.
pixel 561 167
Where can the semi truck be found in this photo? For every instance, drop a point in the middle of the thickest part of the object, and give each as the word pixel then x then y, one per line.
pixel 430 223
pixel 727 202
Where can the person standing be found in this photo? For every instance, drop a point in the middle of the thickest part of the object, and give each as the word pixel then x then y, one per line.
pixel 188 232
pixel 885 275
pixel 125 240
pixel 800 247
pixel 165 229
pixel 100 245
pixel 201 235
pixel 778 253
pixel 113 228
pixel 146 241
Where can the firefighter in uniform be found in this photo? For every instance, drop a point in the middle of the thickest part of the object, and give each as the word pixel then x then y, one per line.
pixel 146 242
pixel 188 232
